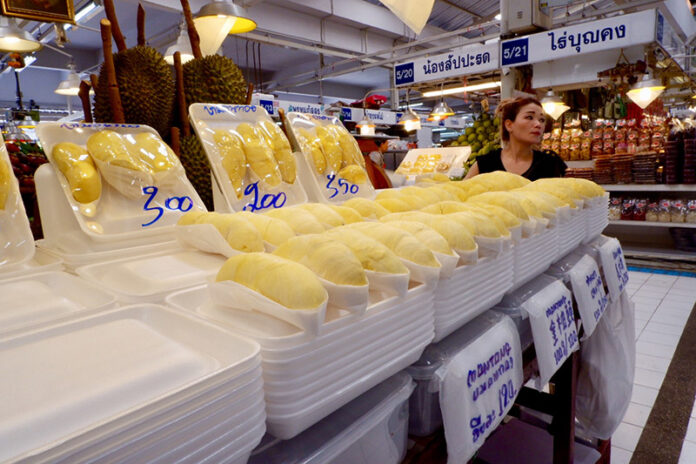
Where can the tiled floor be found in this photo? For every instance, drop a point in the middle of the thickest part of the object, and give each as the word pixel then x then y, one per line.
pixel 663 304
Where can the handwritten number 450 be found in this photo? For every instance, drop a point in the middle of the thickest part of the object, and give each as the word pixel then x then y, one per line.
pixel 347 186
pixel 182 204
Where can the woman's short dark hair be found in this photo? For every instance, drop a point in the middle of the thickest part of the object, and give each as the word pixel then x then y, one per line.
pixel 508 110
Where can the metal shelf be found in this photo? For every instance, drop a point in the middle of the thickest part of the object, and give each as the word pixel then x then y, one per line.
pixel 649 187
pixel 638 251
pixel 686 225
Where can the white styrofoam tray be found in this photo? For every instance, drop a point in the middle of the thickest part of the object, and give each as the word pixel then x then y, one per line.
pixel 571 233
pixel 42 261
pixel 36 300
pixel 150 278
pixel 89 371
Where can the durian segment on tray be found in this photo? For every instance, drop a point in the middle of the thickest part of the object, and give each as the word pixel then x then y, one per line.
pixel 250 156
pixel 335 164
pixel 120 179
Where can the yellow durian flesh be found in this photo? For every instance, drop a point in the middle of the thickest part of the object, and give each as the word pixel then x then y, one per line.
pixel 331 147
pixel 563 192
pixel 329 259
pixel 323 213
pixel 259 155
pixel 429 195
pixel 349 215
pixel 112 148
pixel 508 219
pixel 394 205
pixel 505 200
pixel 281 150
pixel 350 148
pixel 312 147
pixel 152 152
pixel 353 174
pixel 284 281
pixel 591 188
pixel 477 224
pixel 427 235
pixel 272 230
pixel 403 243
pixel 456 234
pixel 500 180
pixel 299 220
pixel 545 203
pixel 5 182
pixel 238 232
pixel 366 208
pixel 445 207
pixel 77 166
pixel 190 218
pixel 232 158
pixel 373 255
pixel 449 192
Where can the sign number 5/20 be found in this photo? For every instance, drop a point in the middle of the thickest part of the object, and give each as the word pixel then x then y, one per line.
pixel 183 204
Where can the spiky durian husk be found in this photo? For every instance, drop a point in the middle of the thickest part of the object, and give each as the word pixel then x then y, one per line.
pixel 214 79
pixel 146 86
pixel 197 168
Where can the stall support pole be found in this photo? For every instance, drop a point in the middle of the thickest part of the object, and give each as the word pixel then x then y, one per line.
pixel 565 382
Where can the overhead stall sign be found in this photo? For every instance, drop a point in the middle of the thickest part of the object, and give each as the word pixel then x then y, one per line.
pixel 471 59
pixel 605 34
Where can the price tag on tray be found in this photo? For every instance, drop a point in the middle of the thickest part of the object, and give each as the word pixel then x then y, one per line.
pixel 614 266
pixel 479 388
pixel 588 289
pixel 553 328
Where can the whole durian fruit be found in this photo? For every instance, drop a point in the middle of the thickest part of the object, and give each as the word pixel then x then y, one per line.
pixel 214 79
pixel 197 168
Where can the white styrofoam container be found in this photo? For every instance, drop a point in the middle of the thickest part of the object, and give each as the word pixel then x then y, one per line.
pixel 37 300
pixel 150 278
pixel 113 366
pixel 572 232
pixel 42 261
pixel 533 255
pixel 371 429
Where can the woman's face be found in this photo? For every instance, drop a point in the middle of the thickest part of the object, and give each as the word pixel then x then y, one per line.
pixel 528 126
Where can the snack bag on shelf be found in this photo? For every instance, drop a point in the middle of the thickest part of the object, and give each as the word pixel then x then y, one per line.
pixel 120 180
pixel 678 211
pixel 664 211
pixel 627 209
pixel 691 212
pixel 250 156
pixel 632 136
pixel 640 209
pixel 586 146
pixel 333 165
pixel 652 213
pixel 615 208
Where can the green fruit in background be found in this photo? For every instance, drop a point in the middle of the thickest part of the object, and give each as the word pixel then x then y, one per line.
pixel 492 135
pixel 477 124
pixel 486 124
pixel 485 116
pixel 476 147
pixel 469 131
pixel 481 138
pixel 461 138
pixel 496 121
pixel 471 137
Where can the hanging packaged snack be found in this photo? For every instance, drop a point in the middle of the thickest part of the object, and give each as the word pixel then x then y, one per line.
pixel 121 180
pixel 335 167
pixel 251 158
pixel 586 146
pixel 16 238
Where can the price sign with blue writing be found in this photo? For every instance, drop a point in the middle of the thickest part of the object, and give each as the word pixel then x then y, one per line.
pixel 339 186
pixel 553 328
pixel 614 266
pixel 515 51
pixel 170 203
pixel 588 289
pixel 479 387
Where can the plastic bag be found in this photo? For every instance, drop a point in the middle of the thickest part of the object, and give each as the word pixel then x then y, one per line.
pixel 605 380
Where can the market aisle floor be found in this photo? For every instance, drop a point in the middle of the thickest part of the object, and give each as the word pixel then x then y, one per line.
pixel 663 305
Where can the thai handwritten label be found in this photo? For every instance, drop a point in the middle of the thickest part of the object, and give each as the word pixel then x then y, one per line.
pixel 214 110
pixel 308 108
pixel 100 126
pixel 481 384
pixel 267 200
pixel 471 59
pixel 553 328
pixel 614 266
pixel 173 203
pixel 386 117
pixel 604 34
pixel 588 289
pixel 341 186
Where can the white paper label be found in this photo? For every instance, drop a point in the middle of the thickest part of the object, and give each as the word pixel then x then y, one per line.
pixel 553 328
pixel 479 388
pixel 614 265
pixel 588 289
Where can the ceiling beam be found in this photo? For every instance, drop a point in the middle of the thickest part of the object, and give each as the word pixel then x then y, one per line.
pixel 460 8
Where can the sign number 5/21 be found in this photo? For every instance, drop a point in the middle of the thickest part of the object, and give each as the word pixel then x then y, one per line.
pixel 515 51
pixel 183 204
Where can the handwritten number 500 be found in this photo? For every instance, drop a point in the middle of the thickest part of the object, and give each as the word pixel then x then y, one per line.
pixel 347 186
pixel 182 204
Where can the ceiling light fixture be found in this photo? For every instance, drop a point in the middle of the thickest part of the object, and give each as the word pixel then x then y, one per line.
pixel 553 105
pixel 645 91
pixel 409 119
pixel 183 46
pixel 71 85
pixel 216 20
pixel 15 39
pixel 366 126
pixel 468 88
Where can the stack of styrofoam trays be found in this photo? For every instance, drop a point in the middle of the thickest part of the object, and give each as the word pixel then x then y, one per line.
pixel 597 217
pixel 533 255
pixel 471 290
pixel 151 278
pixel 307 378
pixel 572 232
pixel 32 301
pixel 135 384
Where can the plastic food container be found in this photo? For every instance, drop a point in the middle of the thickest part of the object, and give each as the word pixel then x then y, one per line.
pixel 42 261
pixel 308 377
pixel 104 384
pixel 150 278
pixel 425 416
pixel 47 298
pixel 597 217
pixel 534 254
pixel 371 429
pixel 572 232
